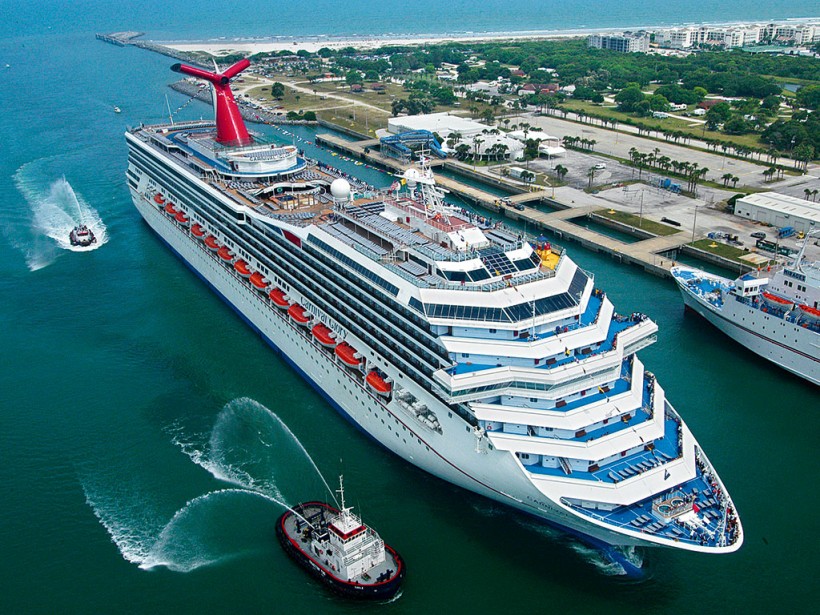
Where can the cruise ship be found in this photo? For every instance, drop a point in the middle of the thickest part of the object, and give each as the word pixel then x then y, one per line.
pixel 774 313
pixel 488 360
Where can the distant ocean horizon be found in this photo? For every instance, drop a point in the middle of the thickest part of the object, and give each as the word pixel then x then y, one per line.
pixel 252 20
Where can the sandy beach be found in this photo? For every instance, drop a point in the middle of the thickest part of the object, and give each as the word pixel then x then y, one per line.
pixel 313 44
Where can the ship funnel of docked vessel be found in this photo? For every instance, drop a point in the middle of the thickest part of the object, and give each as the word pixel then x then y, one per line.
pixel 230 127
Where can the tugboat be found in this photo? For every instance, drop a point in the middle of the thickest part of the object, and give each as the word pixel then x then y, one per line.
pixel 81 236
pixel 337 548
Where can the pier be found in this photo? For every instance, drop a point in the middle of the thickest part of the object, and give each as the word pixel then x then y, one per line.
pixel 648 253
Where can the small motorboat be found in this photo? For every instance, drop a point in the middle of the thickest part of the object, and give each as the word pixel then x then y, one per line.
pixel 81 236
pixel 117 110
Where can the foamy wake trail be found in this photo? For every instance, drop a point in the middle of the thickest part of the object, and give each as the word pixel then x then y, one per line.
pixel 197 535
pixel 55 209
pixel 599 559
pixel 246 447
pixel 604 564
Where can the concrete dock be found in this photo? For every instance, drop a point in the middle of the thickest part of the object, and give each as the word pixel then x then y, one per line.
pixel 649 253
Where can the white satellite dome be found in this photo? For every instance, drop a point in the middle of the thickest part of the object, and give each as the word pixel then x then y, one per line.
pixel 412 175
pixel 340 189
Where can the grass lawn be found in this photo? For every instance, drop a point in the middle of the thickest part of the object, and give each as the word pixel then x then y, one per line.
pixel 670 124
pixel 355 121
pixel 650 226
pixel 721 249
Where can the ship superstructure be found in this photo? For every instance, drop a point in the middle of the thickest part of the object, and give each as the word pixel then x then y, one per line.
pixel 484 358
pixel 774 313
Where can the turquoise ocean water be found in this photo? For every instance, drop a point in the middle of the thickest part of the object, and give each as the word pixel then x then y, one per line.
pixel 146 433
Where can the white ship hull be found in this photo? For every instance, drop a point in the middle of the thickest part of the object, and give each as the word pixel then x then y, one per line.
pixel 785 344
pixel 451 455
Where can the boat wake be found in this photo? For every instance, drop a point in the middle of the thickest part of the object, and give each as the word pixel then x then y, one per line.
pixel 609 561
pixel 54 210
pixel 208 530
pixel 615 561
pixel 248 447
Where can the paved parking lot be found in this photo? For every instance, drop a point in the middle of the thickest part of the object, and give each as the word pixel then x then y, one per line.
pixel 618 144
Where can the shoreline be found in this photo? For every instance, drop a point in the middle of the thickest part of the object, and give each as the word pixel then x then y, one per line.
pixel 315 42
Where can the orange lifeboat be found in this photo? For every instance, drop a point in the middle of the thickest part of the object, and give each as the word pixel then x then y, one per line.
pixel 197 231
pixel 299 315
pixel 242 268
pixel 225 254
pixel 182 218
pixel 277 295
pixel 259 281
pixel 158 199
pixel 776 301
pixel 378 384
pixel 810 312
pixel 324 336
pixel 348 355
pixel 171 210
pixel 210 241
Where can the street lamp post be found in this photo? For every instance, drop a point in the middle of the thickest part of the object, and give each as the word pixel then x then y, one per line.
pixel 640 215
pixel 695 223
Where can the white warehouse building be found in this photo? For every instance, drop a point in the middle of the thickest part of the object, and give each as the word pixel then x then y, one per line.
pixel 779 210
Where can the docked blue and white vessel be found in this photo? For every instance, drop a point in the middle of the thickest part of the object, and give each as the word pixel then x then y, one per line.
pixel 475 355
pixel 774 313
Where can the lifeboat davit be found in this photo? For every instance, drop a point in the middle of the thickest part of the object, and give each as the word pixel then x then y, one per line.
pixel 259 281
pixel 242 268
pixel 378 384
pixel 158 199
pixel 225 254
pixel 299 315
pixel 810 313
pixel 324 336
pixel 277 295
pixel 171 210
pixel 182 218
pixel 210 241
pixel 197 231
pixel 776 301
pixel 349 355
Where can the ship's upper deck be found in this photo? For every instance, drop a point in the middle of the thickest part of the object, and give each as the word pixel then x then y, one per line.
pixel 435 247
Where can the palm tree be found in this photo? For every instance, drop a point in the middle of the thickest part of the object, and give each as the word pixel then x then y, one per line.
pixel 814 194
pixel 561 171
pixel 726 177
pixel 591 175
pixel 735 179
pixel 807 192
pixel 476 143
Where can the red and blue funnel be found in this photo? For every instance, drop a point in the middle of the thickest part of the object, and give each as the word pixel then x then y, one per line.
pixel 230 127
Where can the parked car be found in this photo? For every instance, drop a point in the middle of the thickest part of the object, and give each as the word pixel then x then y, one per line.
pixel 759 235
pixel 519 207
